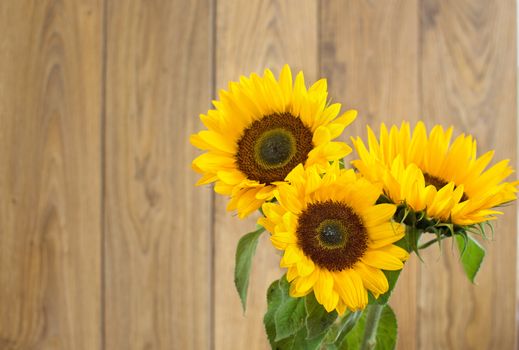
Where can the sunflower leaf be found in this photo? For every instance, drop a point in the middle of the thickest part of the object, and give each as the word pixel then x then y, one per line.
pixel 244 253
pixel 318 320
pixel 386 332
pixel 339 330
pixel 274 299
pixel 277 294
pixel 289 317
pixel 471 255
pixel 300 341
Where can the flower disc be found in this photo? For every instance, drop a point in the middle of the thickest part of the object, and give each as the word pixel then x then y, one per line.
pixel 332 235
pixel 271 147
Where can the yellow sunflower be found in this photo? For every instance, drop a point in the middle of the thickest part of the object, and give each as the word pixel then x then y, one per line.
pixel 260 130
pixel 336 239
pixel 407 185
pixel 468 190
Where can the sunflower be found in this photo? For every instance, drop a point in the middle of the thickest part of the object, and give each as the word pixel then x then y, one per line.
pixel 468 189
pixel 261 129
pixel 336 239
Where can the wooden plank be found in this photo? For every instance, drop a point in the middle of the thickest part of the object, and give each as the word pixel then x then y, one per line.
pixel 251 36
pixel 368 52
pixel 468 71
pixel 158 246
pixel 50 174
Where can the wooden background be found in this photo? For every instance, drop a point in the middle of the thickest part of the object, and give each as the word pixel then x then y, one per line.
pixel 104 241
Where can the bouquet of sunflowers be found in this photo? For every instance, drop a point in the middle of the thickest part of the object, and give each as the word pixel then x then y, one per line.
pixel 345 231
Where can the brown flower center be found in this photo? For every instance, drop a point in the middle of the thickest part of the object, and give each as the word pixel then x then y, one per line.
pixel 439 183
pixel 332 235
pixel 272 146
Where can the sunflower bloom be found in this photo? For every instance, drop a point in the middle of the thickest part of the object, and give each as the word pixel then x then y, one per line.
pixel 454 183
pixel 260 130
pixel 336 239
pixel 408 185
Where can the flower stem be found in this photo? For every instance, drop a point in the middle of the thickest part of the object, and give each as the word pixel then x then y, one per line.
pixel 370 331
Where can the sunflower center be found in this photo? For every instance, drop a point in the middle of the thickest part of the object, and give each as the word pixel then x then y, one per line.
pixel 435 181
pixel 272 146
pixel 438 183
pixel 332 235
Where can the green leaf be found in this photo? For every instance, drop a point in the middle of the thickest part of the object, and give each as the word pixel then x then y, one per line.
pixel 277 297
pixel 339 330
pixel 244 253
pixel 318 320
pixel 290 317
pixel 274 299
pixel 353 339
pixel 471 255
pixel 387 332
pixel 299 341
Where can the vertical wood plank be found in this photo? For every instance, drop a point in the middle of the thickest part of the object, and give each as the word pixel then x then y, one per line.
pixel 368 52
pixel 252 36
pixel 157 223
pixel 50 174
pixel 468 72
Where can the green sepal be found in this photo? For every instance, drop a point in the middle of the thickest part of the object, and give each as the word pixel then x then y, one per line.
pixel 318 320
pixel 471 254
pixel 410 240
pixel 244 252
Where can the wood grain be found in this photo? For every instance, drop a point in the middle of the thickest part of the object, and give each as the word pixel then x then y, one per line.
pixel 158 224
pixel 468 72
pixel 105 243
pixel 368 52
pixel 252 36
pixel 50 175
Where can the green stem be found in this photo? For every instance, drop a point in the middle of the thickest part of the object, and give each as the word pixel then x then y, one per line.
pixel 370 331
pixel 431 242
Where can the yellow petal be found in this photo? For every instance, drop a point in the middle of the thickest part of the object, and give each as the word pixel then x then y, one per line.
pixel 292 256
pixel 374 279
pixel 231 177
pixel 288 198
pixel 385 234
pixel 292 273
pixel 321 136
pixel 305 266
pixel 337 126
pixel 303 284
pixel 395 251
pixel 351 290
pixel 218 141
pixel 382 260
pixel 378 214
pixel 323 288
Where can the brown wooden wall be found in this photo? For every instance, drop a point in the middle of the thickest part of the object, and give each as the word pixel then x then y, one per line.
pixel 104 241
